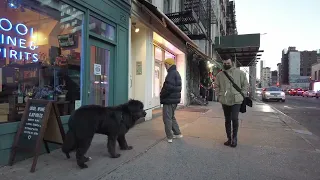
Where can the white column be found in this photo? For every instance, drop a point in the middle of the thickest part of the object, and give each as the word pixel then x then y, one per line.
pixel 149 73
pixel 181 67
pixel 251 81
pixel 130 85
pixel 141 53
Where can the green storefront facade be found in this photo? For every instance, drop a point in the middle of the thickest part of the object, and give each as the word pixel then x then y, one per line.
pixel 102 31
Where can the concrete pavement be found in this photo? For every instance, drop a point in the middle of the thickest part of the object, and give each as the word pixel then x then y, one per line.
pixel 304 110
pixel 271 146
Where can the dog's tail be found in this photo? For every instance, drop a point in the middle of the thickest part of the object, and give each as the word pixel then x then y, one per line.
pixel 69 143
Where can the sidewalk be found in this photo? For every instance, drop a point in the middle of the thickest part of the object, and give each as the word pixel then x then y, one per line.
pixel 271 146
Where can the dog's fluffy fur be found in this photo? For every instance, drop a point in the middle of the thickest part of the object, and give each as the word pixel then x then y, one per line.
pixel 114 122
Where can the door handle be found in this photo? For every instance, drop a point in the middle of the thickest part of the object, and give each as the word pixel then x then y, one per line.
pixel 130 81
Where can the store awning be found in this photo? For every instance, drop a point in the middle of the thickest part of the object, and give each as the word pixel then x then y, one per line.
pixel 191 46
pixel 244 48
pixel 200 56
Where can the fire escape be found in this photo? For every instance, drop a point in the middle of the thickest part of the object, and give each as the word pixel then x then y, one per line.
pixel 195 18
pixel 222 17
pixel 231 19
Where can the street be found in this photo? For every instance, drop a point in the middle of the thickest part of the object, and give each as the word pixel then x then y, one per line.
pixel 304 110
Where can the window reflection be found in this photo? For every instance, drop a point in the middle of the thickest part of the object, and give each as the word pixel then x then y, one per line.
pixel 101 28
pixel 40 45
pixel 169 55
pixel 158 54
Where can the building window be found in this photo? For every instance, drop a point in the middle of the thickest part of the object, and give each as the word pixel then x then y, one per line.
pixel 315 75
pixel 167 6
pixel 40 56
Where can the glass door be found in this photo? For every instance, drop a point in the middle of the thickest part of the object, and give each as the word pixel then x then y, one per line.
pixel 100 78
pixel 157 79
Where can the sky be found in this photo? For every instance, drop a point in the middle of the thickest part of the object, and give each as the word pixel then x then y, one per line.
pixel 285 22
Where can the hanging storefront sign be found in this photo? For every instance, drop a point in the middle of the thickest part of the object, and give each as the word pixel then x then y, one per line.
pixel 19 39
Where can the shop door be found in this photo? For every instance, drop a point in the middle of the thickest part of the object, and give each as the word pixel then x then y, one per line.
pixel 100 89
pixel 157 82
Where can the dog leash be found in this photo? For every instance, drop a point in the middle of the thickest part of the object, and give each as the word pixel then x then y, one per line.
pixel 153 107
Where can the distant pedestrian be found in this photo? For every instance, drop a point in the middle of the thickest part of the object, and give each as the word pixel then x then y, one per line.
pixel 230 98
pixel 170 97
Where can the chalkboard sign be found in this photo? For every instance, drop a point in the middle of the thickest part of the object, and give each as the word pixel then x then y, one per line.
pixel 32 125
pixel 40 123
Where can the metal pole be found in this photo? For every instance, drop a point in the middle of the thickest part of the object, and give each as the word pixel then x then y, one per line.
pixel 219 16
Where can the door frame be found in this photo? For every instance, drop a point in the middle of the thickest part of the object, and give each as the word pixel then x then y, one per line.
pixel 105 45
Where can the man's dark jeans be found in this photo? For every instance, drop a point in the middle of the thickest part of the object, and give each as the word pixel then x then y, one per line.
pixel 231 114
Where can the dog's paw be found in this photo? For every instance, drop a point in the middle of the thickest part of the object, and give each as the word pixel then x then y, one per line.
pixel 116 156
pixel 68 155
pixel 86 159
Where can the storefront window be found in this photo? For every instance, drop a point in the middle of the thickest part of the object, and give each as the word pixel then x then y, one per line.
pixel 40 48
pixel 158 54
pixel 169 55
pixel 101 28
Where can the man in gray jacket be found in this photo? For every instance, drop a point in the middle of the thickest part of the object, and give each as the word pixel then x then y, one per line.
pixel 170 97
pixel 230 98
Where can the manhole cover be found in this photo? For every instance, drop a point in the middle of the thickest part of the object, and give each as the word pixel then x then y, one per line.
pixel 194 110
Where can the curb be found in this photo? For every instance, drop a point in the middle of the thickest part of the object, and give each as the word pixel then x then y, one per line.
pixel 299 130
pixel 282 113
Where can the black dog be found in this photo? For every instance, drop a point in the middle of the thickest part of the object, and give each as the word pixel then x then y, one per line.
pixel 114 122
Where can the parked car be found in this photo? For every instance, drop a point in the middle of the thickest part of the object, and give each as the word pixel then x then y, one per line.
pixel 258 91
pixel 300 92
pixel 309 93
pixel 273 93
pixel 293 92
pixel 289 91
pixel 318 94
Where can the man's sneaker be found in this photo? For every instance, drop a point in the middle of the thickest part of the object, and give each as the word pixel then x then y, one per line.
pixel 177 136
pixel 169 140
